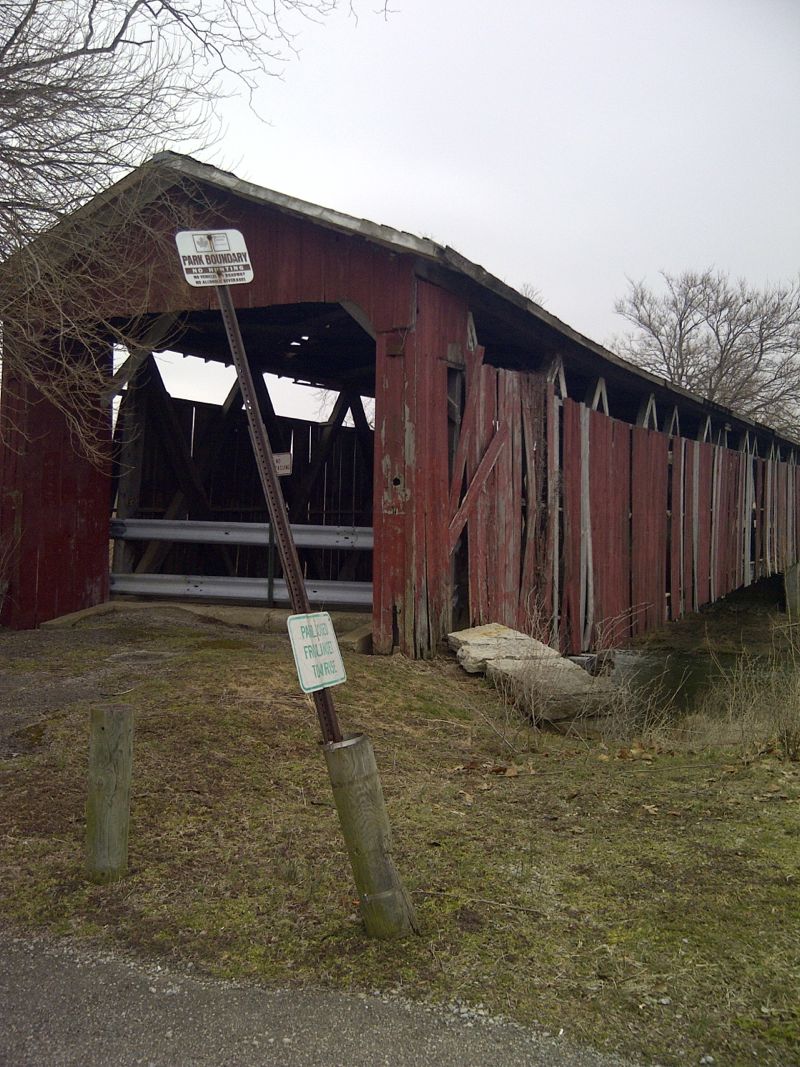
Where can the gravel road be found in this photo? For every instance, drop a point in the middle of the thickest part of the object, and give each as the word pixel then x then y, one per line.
pixel 63 1004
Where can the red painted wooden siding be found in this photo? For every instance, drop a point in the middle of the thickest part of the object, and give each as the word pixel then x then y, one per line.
pixel 571 473
pixel 610 493
pixel 298 261
pixel 54 513
pixel 412 586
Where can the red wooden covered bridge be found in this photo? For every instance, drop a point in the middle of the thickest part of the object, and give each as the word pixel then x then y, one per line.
pixel 517 471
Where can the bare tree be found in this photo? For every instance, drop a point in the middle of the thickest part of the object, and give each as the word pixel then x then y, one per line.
pixel 727 341
pixel 532 292
pixel 88 89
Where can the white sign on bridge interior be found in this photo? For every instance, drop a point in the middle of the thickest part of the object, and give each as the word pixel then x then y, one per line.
pixel 316 651
pixel 283 463
pixel 214 257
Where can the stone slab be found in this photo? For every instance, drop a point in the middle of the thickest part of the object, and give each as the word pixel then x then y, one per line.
pixel 480 645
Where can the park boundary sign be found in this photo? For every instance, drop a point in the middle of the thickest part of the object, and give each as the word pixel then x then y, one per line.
pixel 316 651
pixel 214 257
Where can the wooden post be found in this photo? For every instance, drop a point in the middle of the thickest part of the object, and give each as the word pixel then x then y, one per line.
pixel 791 587
pixel 386 908
pixel 108 803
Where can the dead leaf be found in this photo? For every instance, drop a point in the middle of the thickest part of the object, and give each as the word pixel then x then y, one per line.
pixel 470 765
pixel 651 809
pixel 468 797
pixel 512 772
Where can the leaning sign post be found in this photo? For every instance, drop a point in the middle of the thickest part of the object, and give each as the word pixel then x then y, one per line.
pixel 219 258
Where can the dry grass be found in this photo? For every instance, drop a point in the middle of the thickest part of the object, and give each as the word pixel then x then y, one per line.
pixel 644 898
pixel 755 704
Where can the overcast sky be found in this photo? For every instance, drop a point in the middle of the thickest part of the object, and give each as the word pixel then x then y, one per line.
pixel 564 144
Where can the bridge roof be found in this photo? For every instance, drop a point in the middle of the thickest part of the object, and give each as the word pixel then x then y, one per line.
pixel 506 320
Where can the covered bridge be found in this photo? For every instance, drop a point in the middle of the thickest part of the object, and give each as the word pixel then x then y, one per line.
pixel 517 471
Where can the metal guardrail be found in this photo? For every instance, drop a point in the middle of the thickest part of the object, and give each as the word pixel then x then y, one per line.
pixel 239 533
pixel 191 586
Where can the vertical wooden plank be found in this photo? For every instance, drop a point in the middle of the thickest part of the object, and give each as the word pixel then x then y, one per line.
pixel 130 433
pixel 717 524
pixel 552 568
pixel 535 609
pixel 676 602
pixel 649 473
pixel 759 517
pixel 479 527
pixel 610 526
pixel 586 561
pixel 703 522
pixel 417 475
pixel 690 467
pixel 571 636
pixel 790 511
pixel 747 518
pixel 783 513
pixel 508 489
pixel 390 498
pixel 738 464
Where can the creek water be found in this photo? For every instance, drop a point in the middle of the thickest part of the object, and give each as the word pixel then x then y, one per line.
pixel 678 680
pixel 692 656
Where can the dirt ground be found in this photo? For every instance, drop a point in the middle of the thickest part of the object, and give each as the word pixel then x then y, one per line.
pixel 99 656
pixel 639 893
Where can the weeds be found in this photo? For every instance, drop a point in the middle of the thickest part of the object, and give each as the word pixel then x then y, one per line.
pixel 755 704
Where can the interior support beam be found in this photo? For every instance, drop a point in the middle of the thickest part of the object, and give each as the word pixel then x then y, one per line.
pixel 193 496
pixel 129 447
pixel 154 337
pixel 321 454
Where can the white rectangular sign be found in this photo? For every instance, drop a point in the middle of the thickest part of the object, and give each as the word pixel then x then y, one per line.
pixel 214 257
pixel 283 463
pixel 316 651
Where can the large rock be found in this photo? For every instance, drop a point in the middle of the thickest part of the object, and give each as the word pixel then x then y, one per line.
pixel 549 689
pixel 480 645
pixel 538 679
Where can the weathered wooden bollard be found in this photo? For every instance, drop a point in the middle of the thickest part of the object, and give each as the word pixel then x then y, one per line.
pixel 109 800
pixel 386 908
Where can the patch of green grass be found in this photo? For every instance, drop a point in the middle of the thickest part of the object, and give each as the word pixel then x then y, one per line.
pixel 648 898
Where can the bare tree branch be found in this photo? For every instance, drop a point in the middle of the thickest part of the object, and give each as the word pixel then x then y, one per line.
pixel 88 89
pixel 728 341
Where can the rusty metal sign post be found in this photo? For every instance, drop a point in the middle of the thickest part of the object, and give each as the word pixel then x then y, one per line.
pixel 287 550
pixel 219 258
